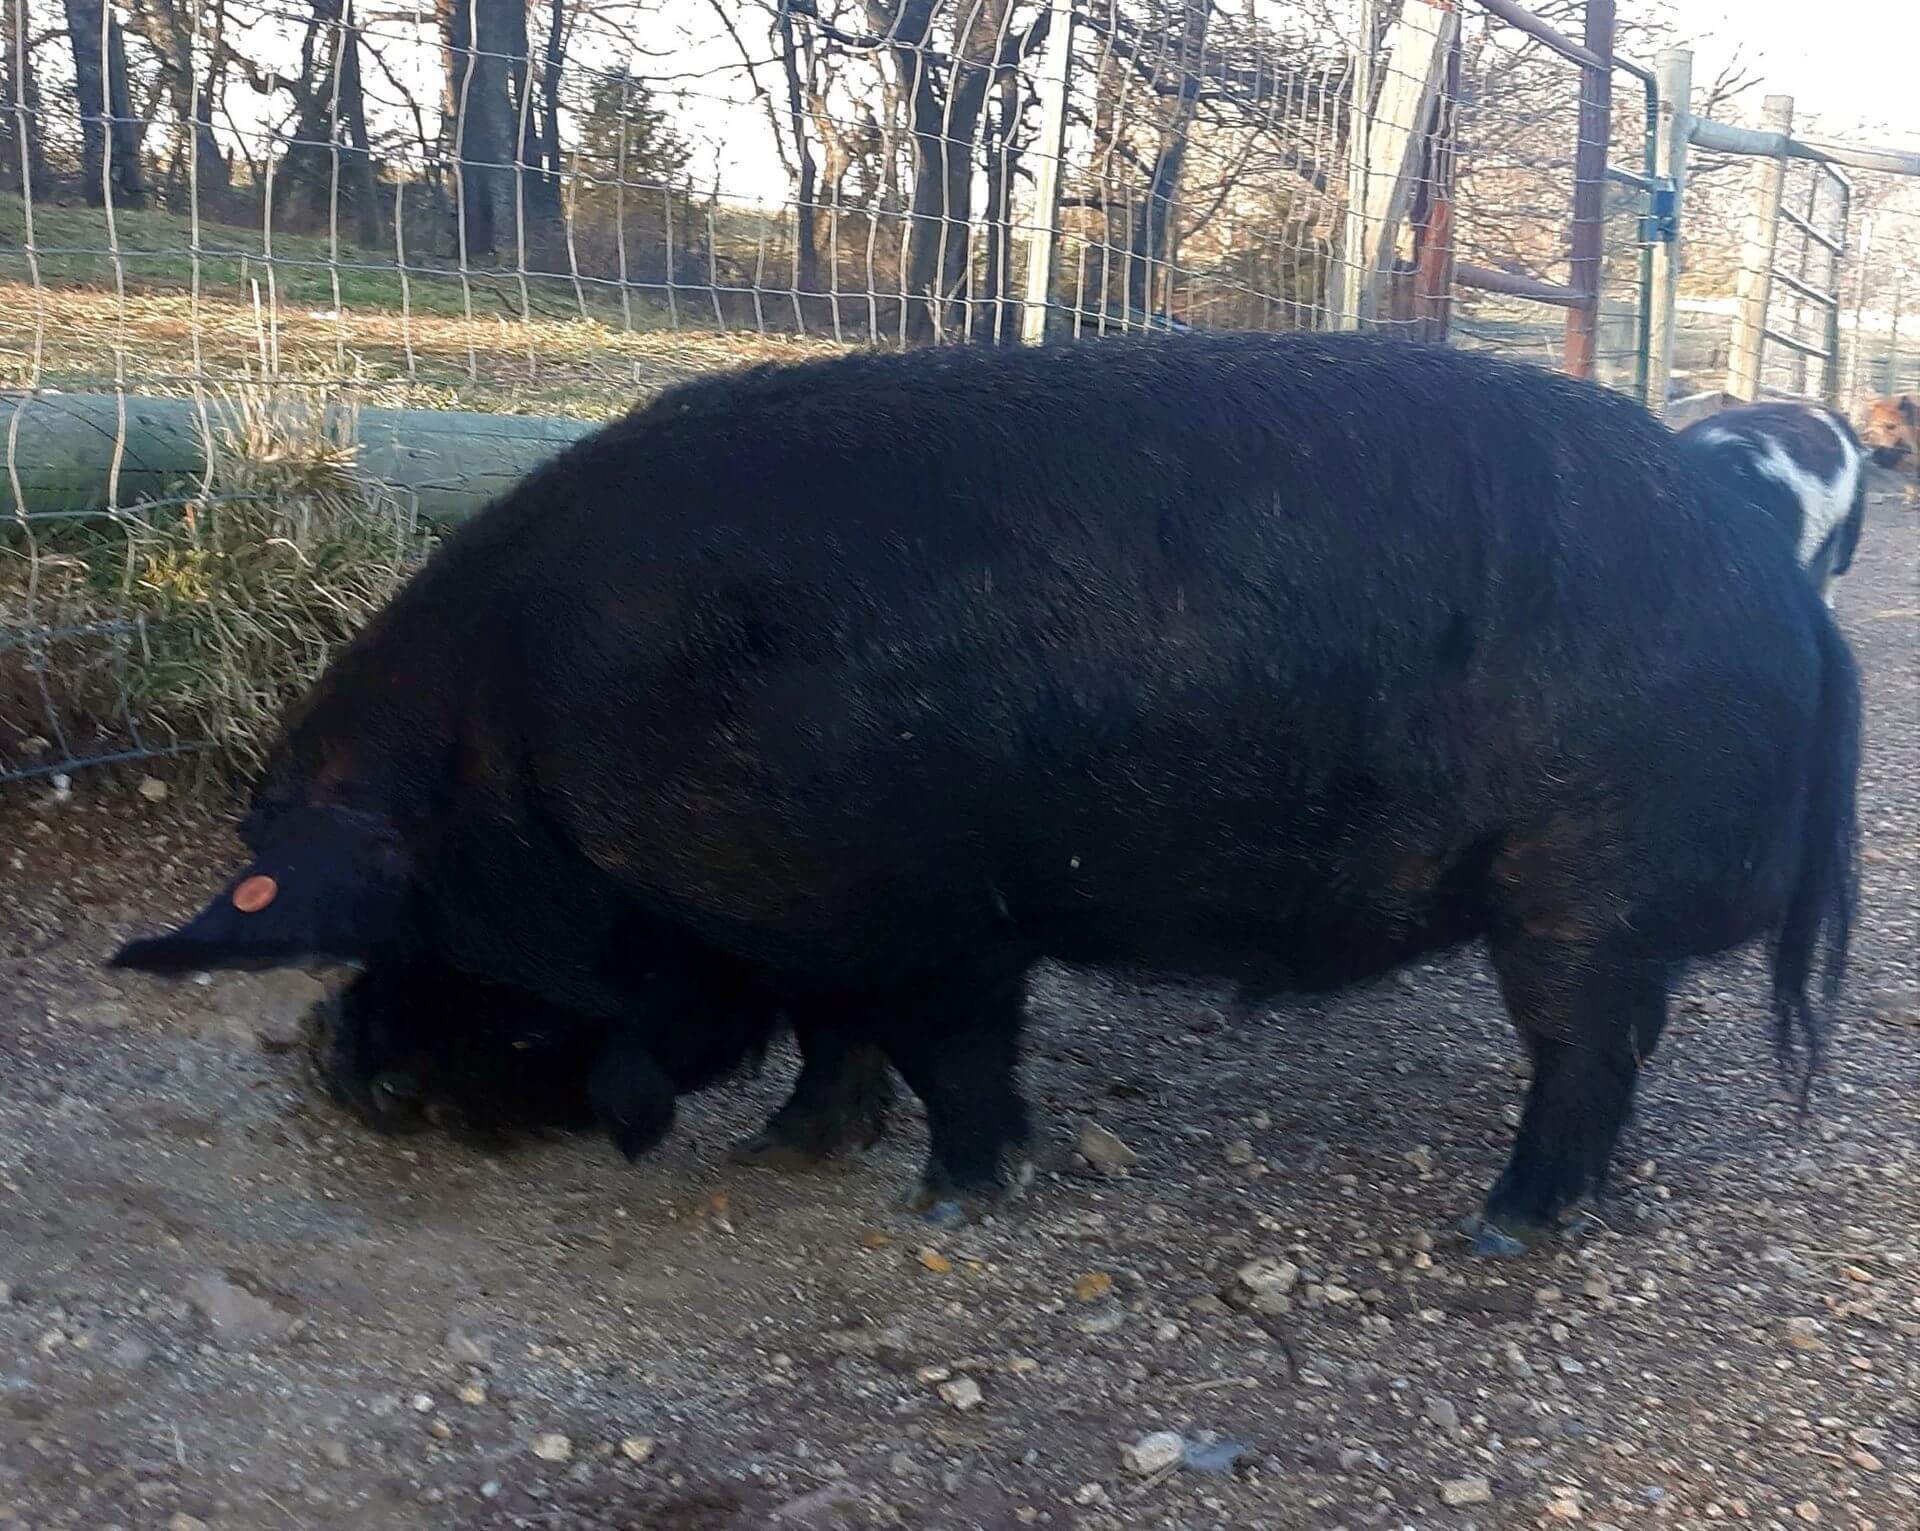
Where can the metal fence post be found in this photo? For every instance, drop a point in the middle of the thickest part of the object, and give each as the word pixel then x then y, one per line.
pixel 1768 180
pixel 1863 253
pixel 1043 237
pixel 1674 71
pixel 1893 330
pixel 1834 388
pixel 1797 362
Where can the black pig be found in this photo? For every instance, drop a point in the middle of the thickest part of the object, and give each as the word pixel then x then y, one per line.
pixel 847 692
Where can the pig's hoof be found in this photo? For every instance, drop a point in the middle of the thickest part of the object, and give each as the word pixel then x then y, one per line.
pixel 395 1092
pixel 1505 1236
pixel 1499 1238
pixel 950 1212
pixel 953 1208
pixel 768 1149
pixel 1582 1223
pixel 944 1201
pixel 342 1059
pixel 808 1141
pixel 445 1116
pixel 390 1102
pixel 806 1137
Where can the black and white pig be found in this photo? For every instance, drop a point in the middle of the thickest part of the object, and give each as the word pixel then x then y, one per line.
pixel 1802 467
pixel 843 694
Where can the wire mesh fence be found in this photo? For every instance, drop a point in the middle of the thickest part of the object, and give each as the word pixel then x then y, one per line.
pixel 1842 258
pixel 1801 356
pixel 559 208
pixel 1880 314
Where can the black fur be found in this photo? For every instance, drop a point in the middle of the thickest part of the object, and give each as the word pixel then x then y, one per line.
pixel 850 691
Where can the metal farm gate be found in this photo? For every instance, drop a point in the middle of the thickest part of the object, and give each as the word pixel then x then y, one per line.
pixel 1828 260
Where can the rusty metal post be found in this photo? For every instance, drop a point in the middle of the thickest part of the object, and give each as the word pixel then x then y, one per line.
pixel 1433 288
pixel 1588 234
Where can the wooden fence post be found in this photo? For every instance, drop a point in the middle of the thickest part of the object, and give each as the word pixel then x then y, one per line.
pixel 1348 284
pixel 1586 237
pixel 1863 254
pixel 1390 142
pixel 1767 181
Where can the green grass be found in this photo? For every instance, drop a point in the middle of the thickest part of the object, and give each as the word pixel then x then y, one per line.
pixel 154 252
pixel 431 341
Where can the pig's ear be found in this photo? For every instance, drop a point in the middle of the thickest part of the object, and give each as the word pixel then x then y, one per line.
pixel 326 883
pixel 1909 407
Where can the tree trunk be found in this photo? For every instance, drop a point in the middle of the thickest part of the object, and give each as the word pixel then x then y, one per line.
pixel 997 319
pixel 349 102
pixel 944 114
pixel 480 54
pixel 215 167
pixel 110 135
pixel 1152 244
pixel 807 190
pixel 332 122
pixel 545 189
pixel 23 158
pixel 167 28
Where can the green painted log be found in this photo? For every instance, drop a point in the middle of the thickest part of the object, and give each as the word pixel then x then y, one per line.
pixel 58 451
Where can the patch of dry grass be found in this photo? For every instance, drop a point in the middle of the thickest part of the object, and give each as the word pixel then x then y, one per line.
pixel 250 587
pixel 588 369
pixel 199 618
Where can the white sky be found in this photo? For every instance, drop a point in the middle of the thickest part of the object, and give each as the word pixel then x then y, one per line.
pixel 1850 64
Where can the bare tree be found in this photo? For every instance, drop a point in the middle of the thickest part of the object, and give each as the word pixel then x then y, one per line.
pixel 1153 229
pixel 330 154
pixel 23 154
pixel 944 102
pixel 486 52
pixel 943 67
pixel 110 132
pixel 542 152
pixel 807 171
pixel 167 28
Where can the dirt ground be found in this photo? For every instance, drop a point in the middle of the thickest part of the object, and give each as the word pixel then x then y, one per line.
pixel 227 1307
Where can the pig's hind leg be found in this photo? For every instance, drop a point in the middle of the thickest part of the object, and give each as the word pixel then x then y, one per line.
pixel 955 1038
pixel 1590 1013
pixel 840 1102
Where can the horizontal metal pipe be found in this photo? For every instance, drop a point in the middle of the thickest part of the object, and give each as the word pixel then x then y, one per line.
pixel 1519 16
pixel 1806 289
pixel 1726 139
pixel 1788 215
pixel 1818 353
pixel 1512 286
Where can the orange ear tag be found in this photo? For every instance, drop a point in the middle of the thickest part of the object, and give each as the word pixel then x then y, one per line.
pixel 254 894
